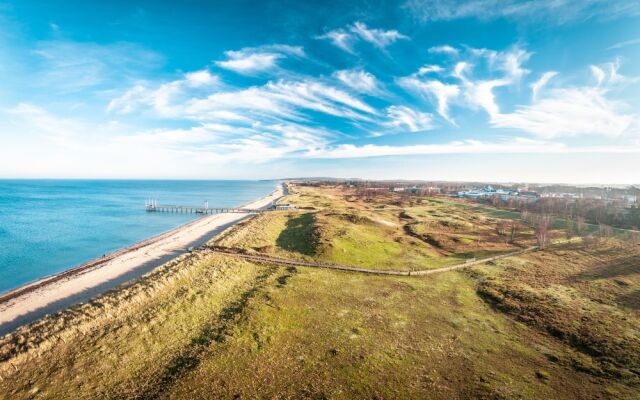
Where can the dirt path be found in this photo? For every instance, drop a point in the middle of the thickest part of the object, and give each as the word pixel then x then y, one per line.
pixel 281 261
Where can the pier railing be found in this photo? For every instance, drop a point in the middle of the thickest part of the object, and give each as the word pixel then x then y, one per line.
pixel 152 207
pixel 197 210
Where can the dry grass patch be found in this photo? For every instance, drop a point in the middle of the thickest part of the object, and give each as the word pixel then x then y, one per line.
pixel 577 296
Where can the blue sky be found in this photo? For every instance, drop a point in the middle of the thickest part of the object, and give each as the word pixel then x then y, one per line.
pixel 421 89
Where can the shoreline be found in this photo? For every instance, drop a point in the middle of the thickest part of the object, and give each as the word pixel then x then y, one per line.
pixel 53 293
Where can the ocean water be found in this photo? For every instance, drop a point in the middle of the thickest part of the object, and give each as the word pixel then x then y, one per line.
pixel 47 226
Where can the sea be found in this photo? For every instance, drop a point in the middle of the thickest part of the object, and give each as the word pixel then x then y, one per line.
pixel 48 226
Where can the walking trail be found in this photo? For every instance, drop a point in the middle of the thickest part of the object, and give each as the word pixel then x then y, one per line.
pixel 281 261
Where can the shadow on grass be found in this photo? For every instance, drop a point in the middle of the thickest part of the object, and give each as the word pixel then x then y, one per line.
pixel 298 235
pixel 630 300
pixel 619 267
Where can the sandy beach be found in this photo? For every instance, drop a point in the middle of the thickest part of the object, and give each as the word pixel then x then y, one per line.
pixel 49 295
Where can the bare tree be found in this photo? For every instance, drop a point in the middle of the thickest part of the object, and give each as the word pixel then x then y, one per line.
pixel 501 228
pixel 542 231
pixel 570 231
pixel 515 229
pixel 496 200
pixel 605 231
pixel 581 226
pixel 526 217
pixel 632 238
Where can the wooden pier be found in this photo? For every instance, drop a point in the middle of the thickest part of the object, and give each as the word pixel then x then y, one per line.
pixel 152 205
pixel 197 210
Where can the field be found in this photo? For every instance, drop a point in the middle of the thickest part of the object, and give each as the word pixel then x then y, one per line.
pixel 561 323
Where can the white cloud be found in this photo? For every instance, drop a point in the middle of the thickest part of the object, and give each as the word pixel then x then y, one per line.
pixel 272 101
pixel 253 60
pixel 340 38
pixel 320 97
pixel 157 150
pixel 570 112
pixel 128 101
pixel 254 100
pixel 446 49
pixel 378 37
pixel 625 43
pixel 402 117
pixel 443 93
pixel 481 94
pixel 608 73
pixel 598 73
pixel 201 78
pixel 359 80
pixel 244 63
pixel 426 69
pixel 256 143
pixel 345 39
pixel 558 112
pixel 162 98
pixel 537 86
pixel 511 63
pixel 478 93
pixel 515 145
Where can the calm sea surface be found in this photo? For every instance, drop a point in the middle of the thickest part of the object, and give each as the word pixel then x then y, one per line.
pixel 47 226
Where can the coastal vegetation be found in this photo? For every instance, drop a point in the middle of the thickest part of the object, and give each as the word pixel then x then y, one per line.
pixel 560 323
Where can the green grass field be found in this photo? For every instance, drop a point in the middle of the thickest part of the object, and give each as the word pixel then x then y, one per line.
pixel 558 324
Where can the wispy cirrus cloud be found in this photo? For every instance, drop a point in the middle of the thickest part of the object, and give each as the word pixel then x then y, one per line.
pixel 467 90
pixel 275 100
pixel 378 37
pixel 575 110
pixel 442 93
pixel 444 49
pixel 72 66
pixel 254 60
pixel 339 38
pixel 359 80
pixel 570 112
pixel 206 143
pixel 516 145
pixel 537 86
pixel 285 99
pixel 161 97
pixel 557 11
pixel 479 92
pixel 624 43
pixel 406 118
pixel 345 38
pixel 428 68
pixel 255 143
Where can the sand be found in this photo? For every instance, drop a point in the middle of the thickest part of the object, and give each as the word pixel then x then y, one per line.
pixel 60 291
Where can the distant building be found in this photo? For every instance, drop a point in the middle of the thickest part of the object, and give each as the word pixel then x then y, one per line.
pixel 405 189
pixel 631 199
pixel 505 194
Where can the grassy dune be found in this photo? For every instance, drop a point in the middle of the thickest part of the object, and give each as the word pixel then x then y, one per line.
pixel 558 324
